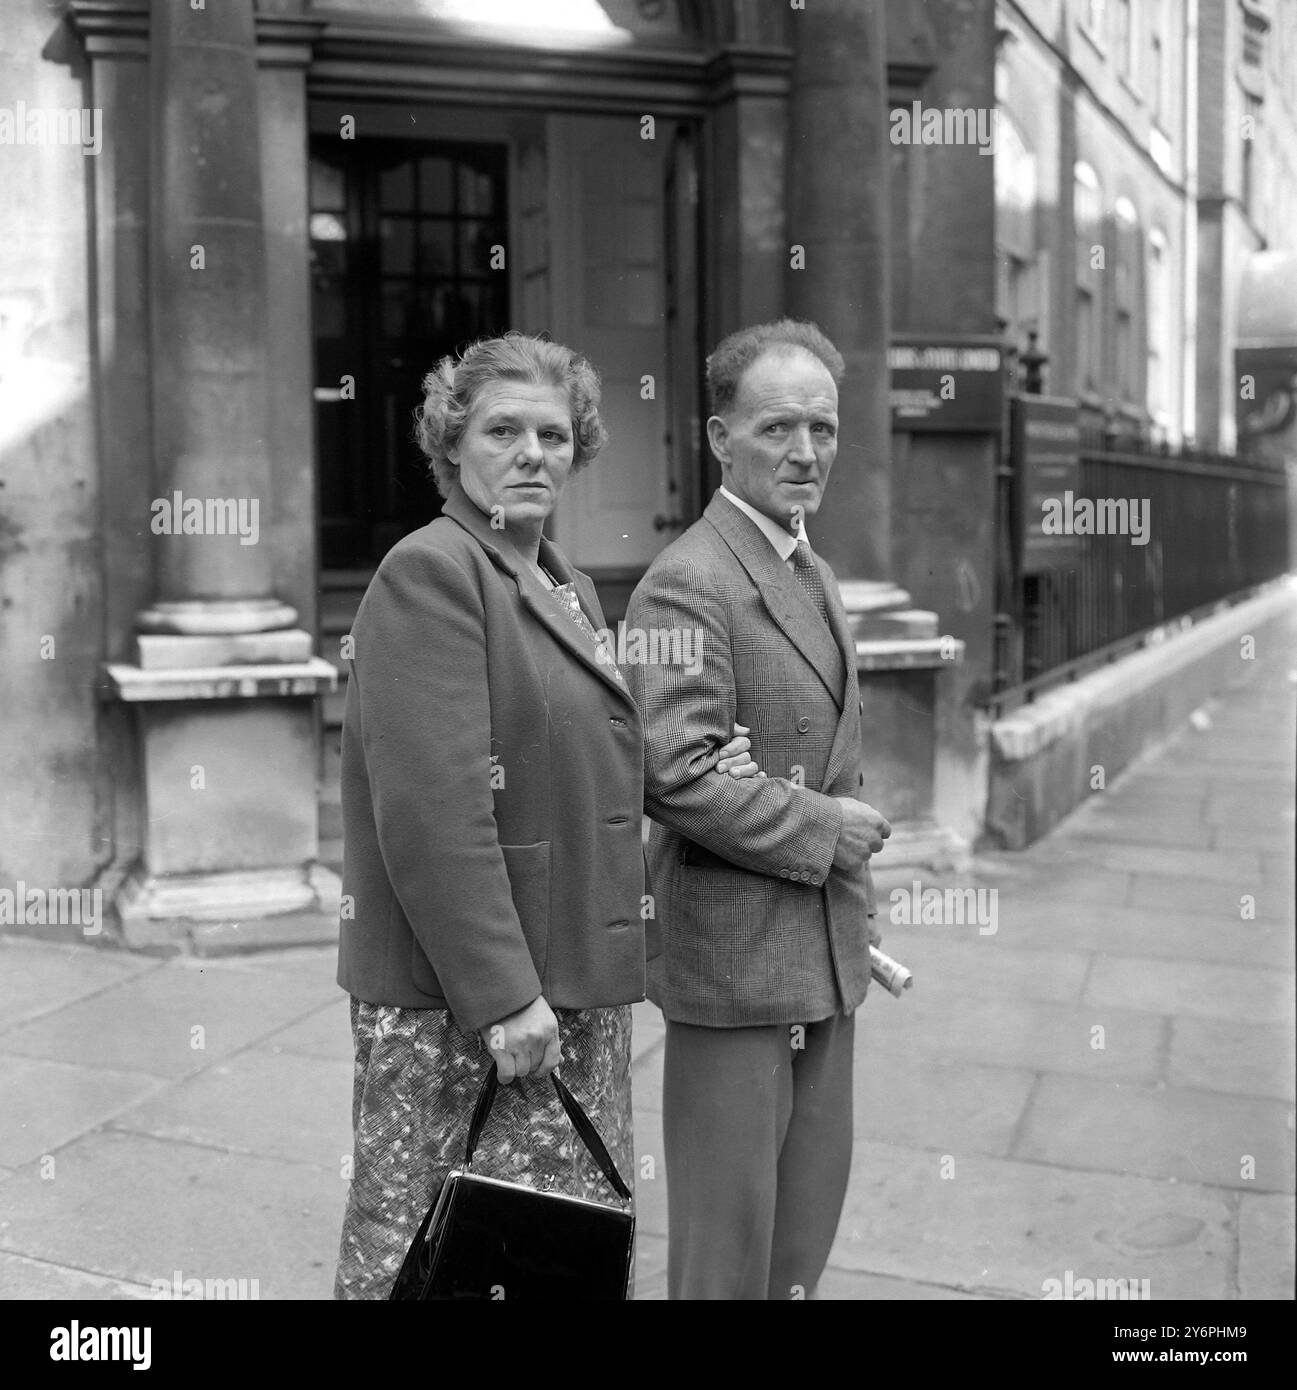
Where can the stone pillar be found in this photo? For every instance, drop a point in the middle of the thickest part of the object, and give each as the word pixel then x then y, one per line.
pixel 223 685
pixel 839 217
pixel 838 212
pixel 208 280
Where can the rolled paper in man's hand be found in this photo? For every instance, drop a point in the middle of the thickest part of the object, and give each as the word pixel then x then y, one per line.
pixel 892 975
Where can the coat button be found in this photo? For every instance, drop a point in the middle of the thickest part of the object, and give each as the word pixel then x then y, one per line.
pixel 783 873
pixel 802 725
pixel 862 707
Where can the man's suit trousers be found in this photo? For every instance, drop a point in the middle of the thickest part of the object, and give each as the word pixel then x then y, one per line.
pixel 757 1127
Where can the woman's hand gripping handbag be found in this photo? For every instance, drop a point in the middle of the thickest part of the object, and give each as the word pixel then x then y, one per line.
pixel 487 1239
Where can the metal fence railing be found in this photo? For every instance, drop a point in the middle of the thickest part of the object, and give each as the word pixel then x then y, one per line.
pixel 1218 528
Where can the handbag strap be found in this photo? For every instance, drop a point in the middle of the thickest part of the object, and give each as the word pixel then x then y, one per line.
pixel 589 1135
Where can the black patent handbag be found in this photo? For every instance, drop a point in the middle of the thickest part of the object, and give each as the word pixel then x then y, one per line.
pixel 483 1238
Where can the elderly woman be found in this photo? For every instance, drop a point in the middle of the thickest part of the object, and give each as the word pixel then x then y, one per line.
pixel 492 785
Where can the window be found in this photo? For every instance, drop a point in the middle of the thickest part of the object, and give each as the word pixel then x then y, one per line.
pixel 1015 231
pixel 402 272
pixel 1124 39
pixel 1160 354
pixel 1091 257
pixel 1126 266
pixel 1157 67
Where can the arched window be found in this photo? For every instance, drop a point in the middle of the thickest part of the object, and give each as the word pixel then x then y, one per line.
pixel 1161 351
pixel 1018 281
pixel 1125 284
pixel 1087 213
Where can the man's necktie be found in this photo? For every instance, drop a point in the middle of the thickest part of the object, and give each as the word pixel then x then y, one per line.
pixel 808 576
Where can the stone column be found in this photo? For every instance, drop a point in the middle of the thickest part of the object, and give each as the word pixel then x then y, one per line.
pixel 223 685
pixel 838 212
pixel 838 275
pixel 208 281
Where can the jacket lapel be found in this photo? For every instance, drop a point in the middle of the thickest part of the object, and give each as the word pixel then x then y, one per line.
pixel 535 598
pixel 785 599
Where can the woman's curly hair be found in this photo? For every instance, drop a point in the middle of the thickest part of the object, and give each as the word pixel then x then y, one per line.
pixel 451 389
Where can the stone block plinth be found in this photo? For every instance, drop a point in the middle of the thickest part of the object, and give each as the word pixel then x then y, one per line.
pixel 228 756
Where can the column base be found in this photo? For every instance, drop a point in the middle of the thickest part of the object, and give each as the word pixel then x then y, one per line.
pixel 228 912
pixel 216 617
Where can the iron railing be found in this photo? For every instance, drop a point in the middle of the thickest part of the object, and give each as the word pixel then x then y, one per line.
pixel 1218 529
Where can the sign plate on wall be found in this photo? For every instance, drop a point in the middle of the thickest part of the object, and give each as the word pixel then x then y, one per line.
pixel 946 384
pixel 1047 460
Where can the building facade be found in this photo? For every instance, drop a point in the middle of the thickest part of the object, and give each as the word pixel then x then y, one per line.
pixel 217 307
pixel 1148 159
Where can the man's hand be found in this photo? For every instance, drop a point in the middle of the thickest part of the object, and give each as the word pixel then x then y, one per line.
pixel 525 1043
pixel 863 833
pixel 735 758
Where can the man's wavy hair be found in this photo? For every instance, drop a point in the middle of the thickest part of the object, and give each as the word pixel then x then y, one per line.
pixel 735 354
pixel 451 389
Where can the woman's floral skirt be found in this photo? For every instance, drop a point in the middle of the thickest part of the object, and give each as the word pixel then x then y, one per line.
pixel 417 1079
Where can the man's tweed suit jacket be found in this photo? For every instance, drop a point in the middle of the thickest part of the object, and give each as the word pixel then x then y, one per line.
pixel 757 925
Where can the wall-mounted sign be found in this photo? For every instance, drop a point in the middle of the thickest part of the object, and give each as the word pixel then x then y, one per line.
pixel 1047 460
pixel 952 384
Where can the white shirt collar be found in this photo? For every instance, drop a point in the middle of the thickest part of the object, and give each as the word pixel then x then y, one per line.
pixel 783 541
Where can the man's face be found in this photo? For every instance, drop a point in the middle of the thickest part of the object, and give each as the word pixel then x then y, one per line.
pixel 778 442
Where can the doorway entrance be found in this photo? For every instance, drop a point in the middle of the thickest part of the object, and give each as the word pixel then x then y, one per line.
pixel 401 259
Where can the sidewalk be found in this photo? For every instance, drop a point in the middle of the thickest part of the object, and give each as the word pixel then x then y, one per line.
pixel 1101 1087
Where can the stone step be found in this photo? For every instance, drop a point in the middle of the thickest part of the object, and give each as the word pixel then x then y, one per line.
pixel 893 623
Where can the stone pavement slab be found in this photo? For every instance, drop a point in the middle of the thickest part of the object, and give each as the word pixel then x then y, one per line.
pixel 1235 1057
pixel 1000 1227
pixel 956 960
pixel 147 1024
pixel 48 1104
pixel 1265 1246
pixel 939 1106
pixel 324 1033
pixel 1219 899
pixel 22 1278
pixel 1159 1131
pixel 37 977
pixel 1196 988
pixel 277 1104
pixel 129 1207
pixel 1025 1033
pixel 1146 933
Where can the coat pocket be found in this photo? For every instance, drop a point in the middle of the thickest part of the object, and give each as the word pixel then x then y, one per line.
pixel 529 882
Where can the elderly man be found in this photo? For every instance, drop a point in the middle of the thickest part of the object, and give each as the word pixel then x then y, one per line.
pixel 762 886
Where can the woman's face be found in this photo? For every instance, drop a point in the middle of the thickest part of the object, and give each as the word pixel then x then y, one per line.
pixel 516 452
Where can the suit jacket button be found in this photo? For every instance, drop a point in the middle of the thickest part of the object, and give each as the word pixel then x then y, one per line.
pixel 817 881
pixel 803 725
pixel 783 873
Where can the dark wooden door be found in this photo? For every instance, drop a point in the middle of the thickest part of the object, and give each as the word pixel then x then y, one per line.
pixel 402 271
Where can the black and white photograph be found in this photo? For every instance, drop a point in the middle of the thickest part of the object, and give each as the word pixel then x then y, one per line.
pixel 648 652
